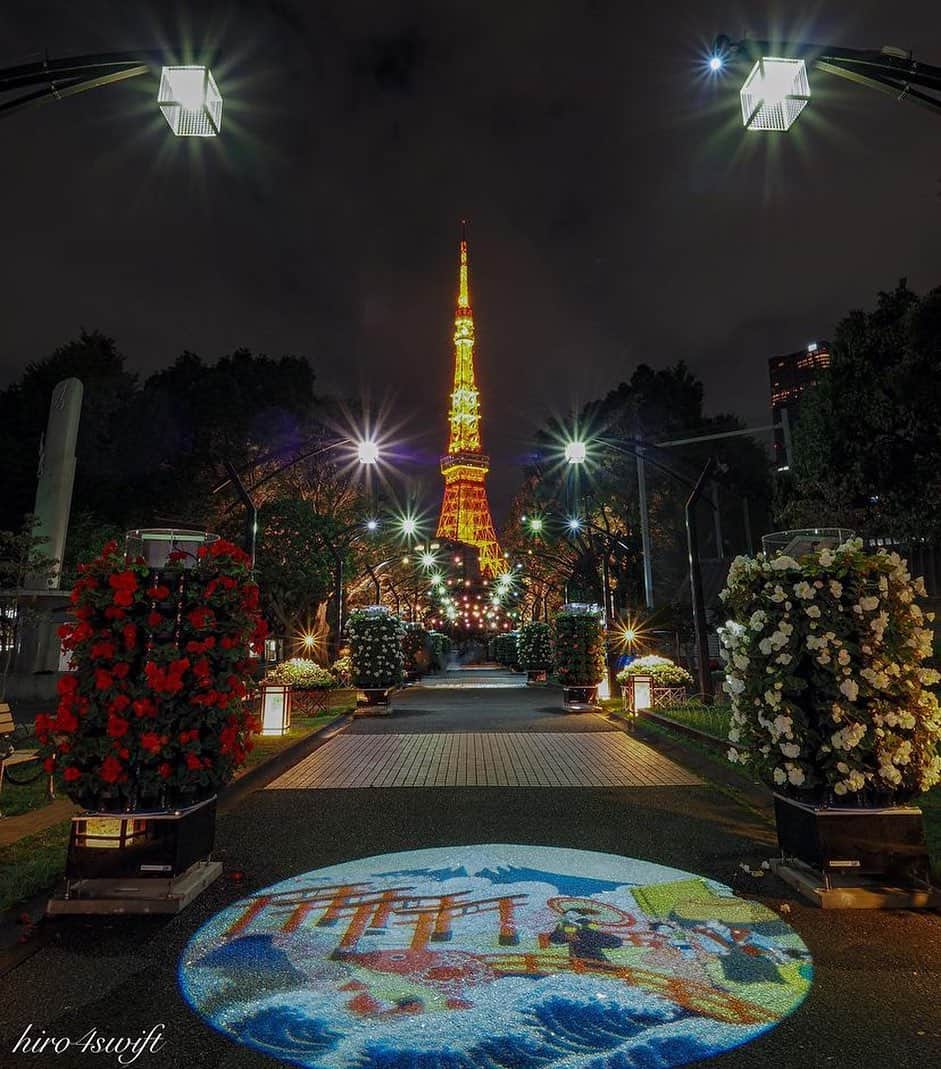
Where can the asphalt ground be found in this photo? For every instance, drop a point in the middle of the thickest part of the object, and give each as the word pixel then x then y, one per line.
pixel 874 1002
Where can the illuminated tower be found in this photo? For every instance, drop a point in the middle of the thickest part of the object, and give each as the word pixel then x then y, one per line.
pixel 465 511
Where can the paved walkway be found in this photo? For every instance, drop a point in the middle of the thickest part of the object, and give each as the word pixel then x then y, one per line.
pixel 494 759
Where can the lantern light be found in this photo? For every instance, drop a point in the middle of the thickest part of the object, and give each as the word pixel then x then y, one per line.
pixel 641 692
pixel 190 101
pixel 774 94
pixel 275 709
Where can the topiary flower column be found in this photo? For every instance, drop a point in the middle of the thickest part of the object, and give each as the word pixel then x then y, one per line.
pixel 831 703
pixel 578 656
pixel 377 662
pixel 535 651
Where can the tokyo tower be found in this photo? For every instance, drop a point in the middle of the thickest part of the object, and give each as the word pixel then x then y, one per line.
pixel 465 511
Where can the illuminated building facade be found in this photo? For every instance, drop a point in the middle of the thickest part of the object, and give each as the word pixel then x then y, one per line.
pixel 465 510
pixel 790 375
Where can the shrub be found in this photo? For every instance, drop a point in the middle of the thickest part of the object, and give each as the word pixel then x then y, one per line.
pixel 664 671
pixel 535 647
pixel 578 648
pixel 302 675
pixel 824 669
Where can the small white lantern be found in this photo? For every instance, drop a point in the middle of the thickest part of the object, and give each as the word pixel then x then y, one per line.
pixel 641 692
pixel 190 101
pixel 275 709
pixel 274 650
pixel 774 94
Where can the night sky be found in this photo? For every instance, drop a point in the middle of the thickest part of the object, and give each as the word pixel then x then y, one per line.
pixel 618 212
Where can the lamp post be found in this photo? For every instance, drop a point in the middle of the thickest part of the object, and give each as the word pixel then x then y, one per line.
pixel 187 95
pixel 578 449
pixel 777 88
pixel 367 452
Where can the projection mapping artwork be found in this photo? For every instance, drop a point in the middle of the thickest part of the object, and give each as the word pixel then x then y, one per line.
pixel 520 957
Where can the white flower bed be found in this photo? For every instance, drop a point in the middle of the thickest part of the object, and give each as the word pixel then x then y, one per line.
pixel 824 671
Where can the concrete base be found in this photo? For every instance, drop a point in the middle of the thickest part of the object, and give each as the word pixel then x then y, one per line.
pixel 852 892
pixel 373 710
pixel 580 707
pixel 135 896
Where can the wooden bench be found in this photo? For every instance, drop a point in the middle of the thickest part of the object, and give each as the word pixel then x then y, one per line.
pixel 9 754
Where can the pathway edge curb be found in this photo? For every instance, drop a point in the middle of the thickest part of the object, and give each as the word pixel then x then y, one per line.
pixel 262 774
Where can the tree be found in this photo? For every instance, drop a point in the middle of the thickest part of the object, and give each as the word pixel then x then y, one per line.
pixel 24 411
pixel 653 406
pixel 867 443
pixel 294 564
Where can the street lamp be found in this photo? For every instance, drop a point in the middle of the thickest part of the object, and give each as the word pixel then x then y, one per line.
pixel 367 451
pixel 777 88
pixel 774 94
pixel 190 101
pixel 187 95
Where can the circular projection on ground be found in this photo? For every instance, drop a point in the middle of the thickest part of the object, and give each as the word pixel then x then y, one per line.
pixel 501 956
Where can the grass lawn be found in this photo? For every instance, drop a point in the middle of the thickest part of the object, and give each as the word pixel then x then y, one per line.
pixel 32 865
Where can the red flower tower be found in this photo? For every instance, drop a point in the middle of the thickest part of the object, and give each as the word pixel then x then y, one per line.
pixel 465 511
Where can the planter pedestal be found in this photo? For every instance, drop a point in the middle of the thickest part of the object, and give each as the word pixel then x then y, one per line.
pixel 138 862
pixel 580 699
pixel 536 676
pixel 374 701
pixel 854 858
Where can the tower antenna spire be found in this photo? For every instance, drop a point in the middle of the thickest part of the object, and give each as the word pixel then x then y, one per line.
pixel 465 511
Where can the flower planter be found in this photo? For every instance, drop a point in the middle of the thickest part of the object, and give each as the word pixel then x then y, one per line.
pixel 536 676
pixel 161 844
pixel 580 699
pixel 885 842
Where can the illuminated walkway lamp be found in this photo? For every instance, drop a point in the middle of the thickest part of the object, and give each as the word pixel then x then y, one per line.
pixel 275 709
pixel 190 101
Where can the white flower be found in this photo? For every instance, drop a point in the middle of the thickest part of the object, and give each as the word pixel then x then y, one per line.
pixel 783 658
pixel 782 563
pixel 850 688
pixel 826 557
pixel 795 775
pixel 779 775
pixel 869 603
pixel 812 611
pixel 843 657
pixel 732 755
pixel 836 588
pixel 790 749
pixel 758 620
pixel 839 788
pixel 804 590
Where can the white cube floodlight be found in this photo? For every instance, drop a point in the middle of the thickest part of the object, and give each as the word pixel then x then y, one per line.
pixel 575 452
pixel 774 94
pixel 190 101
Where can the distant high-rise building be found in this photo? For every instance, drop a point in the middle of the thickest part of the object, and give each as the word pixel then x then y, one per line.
pixel 790 375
